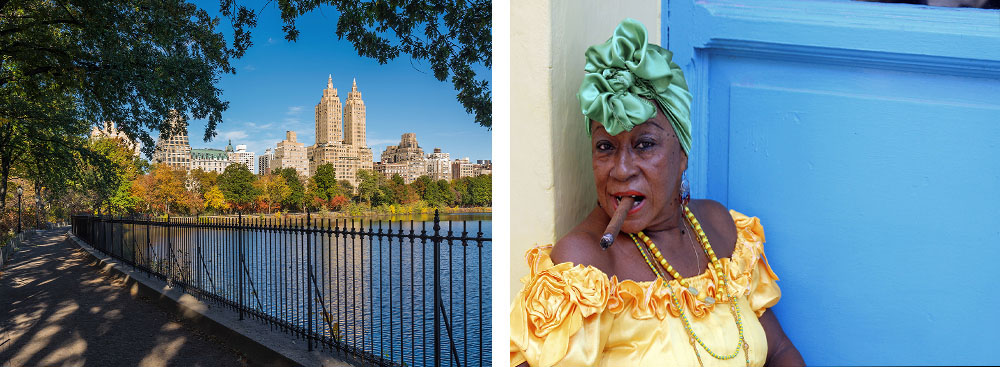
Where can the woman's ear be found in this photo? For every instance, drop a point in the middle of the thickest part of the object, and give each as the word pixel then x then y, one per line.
pixel 684 162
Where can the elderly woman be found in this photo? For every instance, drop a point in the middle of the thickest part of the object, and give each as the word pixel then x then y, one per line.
pixel 685 282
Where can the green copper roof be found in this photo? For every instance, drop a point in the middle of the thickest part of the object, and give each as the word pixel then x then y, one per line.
pixel 208 154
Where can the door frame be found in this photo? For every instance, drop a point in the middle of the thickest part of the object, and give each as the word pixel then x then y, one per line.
pixel 873 35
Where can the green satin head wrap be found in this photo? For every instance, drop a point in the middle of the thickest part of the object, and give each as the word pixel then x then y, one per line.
pixel 624 74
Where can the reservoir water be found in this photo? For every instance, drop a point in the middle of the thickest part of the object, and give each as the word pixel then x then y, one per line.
pixel 370 292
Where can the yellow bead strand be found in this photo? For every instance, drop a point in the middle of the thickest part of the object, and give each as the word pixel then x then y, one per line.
pixel 722 290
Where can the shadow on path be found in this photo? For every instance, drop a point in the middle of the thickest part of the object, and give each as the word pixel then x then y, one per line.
pixel 57 309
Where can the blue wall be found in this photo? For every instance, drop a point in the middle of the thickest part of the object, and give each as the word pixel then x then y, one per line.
pixel 866 137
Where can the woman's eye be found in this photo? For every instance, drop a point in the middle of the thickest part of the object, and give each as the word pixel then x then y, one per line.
pixel 644 145
pixel 604 146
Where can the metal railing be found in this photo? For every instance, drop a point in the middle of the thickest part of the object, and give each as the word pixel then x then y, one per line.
pixel 8 247
pixel 388 293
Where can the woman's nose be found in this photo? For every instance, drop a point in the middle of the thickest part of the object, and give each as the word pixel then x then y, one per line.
pixel 624 166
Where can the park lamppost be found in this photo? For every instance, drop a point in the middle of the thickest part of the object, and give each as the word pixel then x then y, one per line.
pixel 19 192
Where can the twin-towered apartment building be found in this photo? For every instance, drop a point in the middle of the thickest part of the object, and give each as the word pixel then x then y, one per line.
pixel 341 135
pixel 340 140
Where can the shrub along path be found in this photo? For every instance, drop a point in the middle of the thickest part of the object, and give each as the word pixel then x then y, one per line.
pixel 57 309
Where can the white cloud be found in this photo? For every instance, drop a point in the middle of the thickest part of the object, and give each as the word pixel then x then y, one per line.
pixel 294 110
pixel 256 126
pixel 249 68
pixel 235 134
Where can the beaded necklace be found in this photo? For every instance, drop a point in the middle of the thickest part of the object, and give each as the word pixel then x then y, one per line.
pixel 733 305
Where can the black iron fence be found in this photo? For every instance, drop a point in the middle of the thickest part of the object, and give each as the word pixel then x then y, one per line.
pixel 390 293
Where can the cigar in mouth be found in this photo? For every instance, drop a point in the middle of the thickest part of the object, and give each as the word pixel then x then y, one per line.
pixel 616 222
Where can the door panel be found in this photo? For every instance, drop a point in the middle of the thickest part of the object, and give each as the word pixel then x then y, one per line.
pixel 865 136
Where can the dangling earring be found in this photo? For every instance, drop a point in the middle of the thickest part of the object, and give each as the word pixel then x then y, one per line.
pixel 685 192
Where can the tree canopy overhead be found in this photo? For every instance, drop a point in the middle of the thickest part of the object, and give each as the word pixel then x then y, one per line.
pixel 452 35
pixel 132 61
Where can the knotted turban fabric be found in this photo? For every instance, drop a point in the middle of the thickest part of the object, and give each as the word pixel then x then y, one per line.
pixel 624 74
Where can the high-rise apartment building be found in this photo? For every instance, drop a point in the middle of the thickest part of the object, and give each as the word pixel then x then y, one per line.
pixel 354 118
pixel 408 170
pixel 346 155
pixel 482 167
pixel 328 116
pixel 406 159
pixel 264 162
pixel 172 147
pixel 291 154
pixel 111 132
pixel 461 168
pixel 439 165
pixel 407 150
pixel 242 156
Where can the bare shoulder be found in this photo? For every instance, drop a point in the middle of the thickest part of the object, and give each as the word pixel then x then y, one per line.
pixel 580 245
pixel 718 225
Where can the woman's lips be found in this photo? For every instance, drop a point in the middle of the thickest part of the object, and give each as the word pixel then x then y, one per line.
pixel 639 200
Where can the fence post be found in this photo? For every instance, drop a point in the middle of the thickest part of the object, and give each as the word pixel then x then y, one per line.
pixel 111 237
pixel 239 231
pixel 147 263
pixel 437 290
pixel 134 257
pixel 100 234
pixel 98 240
pixel 309 290
pixel 197 237
pixel 170 252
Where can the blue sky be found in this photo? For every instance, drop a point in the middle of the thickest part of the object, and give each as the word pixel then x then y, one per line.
pixel 278 84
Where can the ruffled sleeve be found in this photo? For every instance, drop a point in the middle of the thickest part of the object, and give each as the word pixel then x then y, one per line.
pixel 563 314
pixel 751 273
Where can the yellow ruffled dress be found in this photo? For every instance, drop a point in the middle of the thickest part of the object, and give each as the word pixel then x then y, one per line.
pixel 573 315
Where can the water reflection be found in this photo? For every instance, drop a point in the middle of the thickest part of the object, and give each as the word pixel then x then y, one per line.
pixel 375 293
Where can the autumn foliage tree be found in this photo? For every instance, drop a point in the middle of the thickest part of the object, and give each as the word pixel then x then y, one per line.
pixel 237 185
pixel 214 200
pixel 163 191
pixel 296 190
pixel 272 190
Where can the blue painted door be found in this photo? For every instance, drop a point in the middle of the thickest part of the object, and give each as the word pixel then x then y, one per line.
pixel 866 137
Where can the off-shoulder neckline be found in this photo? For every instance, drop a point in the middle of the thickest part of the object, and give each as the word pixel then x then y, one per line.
pixel 547 250
pixel 749 236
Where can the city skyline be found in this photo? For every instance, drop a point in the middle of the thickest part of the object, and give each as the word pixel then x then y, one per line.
pixel 340 125
pixel 278 83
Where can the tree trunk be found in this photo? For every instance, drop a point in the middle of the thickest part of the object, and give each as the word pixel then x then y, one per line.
pixel 7 152
pixel 4 172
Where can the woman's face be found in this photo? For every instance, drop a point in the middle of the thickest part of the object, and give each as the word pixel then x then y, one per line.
pixel 647 163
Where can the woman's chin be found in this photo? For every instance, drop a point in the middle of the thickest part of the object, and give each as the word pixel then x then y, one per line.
pixel 633 226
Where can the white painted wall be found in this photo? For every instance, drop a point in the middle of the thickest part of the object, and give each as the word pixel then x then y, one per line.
pixel 552 185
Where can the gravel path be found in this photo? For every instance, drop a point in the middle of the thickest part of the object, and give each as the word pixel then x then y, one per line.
pixel 56 309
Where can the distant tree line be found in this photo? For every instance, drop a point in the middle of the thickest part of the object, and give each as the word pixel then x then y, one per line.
pixel 160 189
